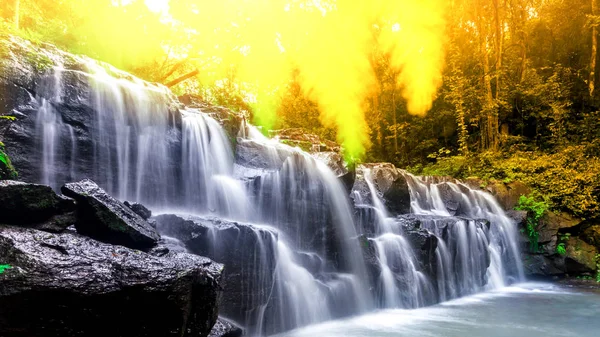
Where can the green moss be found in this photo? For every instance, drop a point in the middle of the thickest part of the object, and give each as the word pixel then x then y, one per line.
pixel 4 267
pixel 39 61
pixel 7 171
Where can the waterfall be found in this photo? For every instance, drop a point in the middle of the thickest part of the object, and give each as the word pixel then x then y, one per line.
pixel 476 241
pixel 296 250
pixel 463 201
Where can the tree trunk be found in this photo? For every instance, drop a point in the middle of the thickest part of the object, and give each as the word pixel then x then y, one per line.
pixel 182 78
pixel 499 41
pixel 592 81
pixel 395 121
pixel 17 13
pixel 489 116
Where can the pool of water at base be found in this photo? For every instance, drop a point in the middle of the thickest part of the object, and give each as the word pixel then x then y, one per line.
pixel 522 310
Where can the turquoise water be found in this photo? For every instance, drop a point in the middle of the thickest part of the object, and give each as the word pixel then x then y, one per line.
pixel 523 310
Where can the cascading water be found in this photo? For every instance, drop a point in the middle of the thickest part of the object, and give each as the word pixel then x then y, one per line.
pixel 463 201
pixel 320 272
pixel 471 255
pixel 298 250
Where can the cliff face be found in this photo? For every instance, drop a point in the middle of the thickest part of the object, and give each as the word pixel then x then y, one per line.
pixel 111 273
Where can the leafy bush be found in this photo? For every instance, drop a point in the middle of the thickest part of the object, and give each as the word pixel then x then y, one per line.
pixel 567 180
pixel 560 249
pixel 535 211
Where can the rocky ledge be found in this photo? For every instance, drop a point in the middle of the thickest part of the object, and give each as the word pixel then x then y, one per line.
pixel 74 282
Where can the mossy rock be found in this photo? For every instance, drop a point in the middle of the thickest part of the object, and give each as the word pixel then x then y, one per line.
pixel 580 256
pixel 32 205
pixel 102 217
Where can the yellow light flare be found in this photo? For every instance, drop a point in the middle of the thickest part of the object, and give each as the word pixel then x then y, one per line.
pixel 261 42
pixel 157 6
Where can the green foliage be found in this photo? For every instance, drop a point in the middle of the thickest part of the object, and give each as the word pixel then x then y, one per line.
pixel 561 249
pixel 535 211
pixel 4 267
pixel 567 180
pixel 598 268
pixel 7 171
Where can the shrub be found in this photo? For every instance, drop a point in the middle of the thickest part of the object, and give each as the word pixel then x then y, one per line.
pixel 535 211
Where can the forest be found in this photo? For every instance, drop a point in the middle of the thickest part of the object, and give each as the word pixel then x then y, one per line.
pixel 512 95
pixel 299 168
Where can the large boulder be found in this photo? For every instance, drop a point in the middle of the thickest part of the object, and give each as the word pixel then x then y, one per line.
pixel 552 223
pixel 543 266
pixel 104 218
pixel 591 234
pixel 68 285
pixel 139 209
pixel 580 257
pixel 248 253
pixel 36 206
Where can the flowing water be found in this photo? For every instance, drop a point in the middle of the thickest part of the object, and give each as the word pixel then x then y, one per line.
pixel 523 310
pixel 308 255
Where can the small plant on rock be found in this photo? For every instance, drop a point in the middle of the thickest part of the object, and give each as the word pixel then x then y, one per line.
pixel 535 211
pixel 598 268
pixel 561 249
pixel 3 267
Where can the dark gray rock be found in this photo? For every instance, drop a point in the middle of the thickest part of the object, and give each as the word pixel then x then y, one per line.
pixel 389 181
pixel 252 154
pixel 519 217
pixel 248 253
pixel 225 328
pixel 424 245
pixel 35 206
pixel 541 266
pixel 68 285
pixel 139 209
pixel 104 218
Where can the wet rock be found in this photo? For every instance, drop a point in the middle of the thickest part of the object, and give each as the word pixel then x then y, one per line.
pixel 248 253
pixel 538 265
pixel 225 328
pixel 507 194
pixel 139 209
pixel 308 142
pixel 424 245
pixel 552 223
pixel 591 234
pixel 35 206
pixel 518 217
pixel 334 161
pixel 104 218
pixel 389 181
pixel 229 119
pixel 252 154
pixel 580 257
pixel 68 285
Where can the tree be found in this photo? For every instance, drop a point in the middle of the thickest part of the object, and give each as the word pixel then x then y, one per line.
pixel 594 24
pixel 17 13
